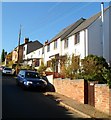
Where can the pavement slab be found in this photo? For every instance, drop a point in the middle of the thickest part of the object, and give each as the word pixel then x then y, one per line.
pixel 83 109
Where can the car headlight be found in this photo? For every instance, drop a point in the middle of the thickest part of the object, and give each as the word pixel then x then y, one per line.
pixel 27 82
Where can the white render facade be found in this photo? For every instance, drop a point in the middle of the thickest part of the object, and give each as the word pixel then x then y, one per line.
pixel 90 42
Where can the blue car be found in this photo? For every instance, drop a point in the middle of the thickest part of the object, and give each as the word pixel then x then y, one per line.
pixel 30 79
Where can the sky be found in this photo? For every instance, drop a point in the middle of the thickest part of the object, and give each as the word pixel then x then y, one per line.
pixel 41 20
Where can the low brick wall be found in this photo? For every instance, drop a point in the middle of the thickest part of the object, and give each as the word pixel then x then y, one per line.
pixel 70 88
pixel 103 98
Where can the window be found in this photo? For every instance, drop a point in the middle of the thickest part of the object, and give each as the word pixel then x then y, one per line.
pixel 55 44
pixel 43 50
pixel 66 43
pixel 24 48
pixel 77 38
pixel 48 47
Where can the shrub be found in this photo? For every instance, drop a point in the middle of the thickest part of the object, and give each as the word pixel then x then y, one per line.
pixel 92 68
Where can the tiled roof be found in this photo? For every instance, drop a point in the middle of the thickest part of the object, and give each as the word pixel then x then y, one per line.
pixel 67 30
pixel 86 23
pixel 32 46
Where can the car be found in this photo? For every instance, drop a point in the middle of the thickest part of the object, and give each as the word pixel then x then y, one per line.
pixel 7 71
pixel 1 68
pixel 30 79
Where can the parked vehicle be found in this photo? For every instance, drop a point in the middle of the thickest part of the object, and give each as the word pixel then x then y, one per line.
pixel 1 68
pixel 7 71
pixel 30 79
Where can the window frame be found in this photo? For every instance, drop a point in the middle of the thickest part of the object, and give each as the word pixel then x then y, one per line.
pixel 77 38
pixel 66 43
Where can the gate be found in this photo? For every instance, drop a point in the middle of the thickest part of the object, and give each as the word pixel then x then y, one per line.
pixel 89 93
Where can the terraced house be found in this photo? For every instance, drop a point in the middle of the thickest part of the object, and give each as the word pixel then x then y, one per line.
pixel 84 37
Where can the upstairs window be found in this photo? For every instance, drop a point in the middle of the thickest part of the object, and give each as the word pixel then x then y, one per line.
pixel 77 38
pixel 55 44
pixel 43 50
pixel 48 47
pixel 66 43
pixel 24 48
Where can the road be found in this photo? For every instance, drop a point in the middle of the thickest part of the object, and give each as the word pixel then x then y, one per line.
pixel 17 103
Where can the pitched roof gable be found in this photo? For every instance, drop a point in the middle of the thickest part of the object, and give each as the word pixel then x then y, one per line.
pixel 86 23
pixel 32 46
pixel 67 30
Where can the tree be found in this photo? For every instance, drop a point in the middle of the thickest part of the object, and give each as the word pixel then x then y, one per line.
pixel 3 55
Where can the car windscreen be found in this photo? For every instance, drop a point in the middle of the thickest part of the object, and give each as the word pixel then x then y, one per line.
pixel 7 69
pixel 32 75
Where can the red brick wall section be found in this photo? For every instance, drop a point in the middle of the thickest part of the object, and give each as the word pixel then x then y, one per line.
pixel 102 99
pixel 70 88
pixel 110 101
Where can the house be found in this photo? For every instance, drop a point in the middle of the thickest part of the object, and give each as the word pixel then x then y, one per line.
pixel 32 52
pixel 53 49
pixel 15 52
pixel 86 38
pixel 81 38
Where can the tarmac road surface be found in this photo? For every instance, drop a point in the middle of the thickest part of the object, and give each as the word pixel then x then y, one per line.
pixel 17 103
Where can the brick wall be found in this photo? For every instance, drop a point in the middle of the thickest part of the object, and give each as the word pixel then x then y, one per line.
pixel 70 88
pixel 102 98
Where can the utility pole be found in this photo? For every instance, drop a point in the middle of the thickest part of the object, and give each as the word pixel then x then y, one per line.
pixel 18 60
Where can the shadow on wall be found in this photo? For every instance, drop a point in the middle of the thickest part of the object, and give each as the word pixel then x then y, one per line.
pixel 50 87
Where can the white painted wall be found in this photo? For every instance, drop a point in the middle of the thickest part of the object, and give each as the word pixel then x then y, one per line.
pixel 76 49
pixel 107 47
pixel 95 38
pixel 24 51
pixel 52 50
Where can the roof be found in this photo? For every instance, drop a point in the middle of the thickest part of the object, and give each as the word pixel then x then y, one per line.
pixel 86 23
pixel 67 30
pixel 32 46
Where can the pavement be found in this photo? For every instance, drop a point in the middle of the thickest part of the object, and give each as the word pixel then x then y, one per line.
pixel 83 109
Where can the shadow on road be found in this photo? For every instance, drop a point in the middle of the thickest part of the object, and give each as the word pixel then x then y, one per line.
pixel 18 104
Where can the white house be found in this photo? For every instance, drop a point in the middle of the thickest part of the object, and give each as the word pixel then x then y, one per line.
pixel 87 38
pixel 82 38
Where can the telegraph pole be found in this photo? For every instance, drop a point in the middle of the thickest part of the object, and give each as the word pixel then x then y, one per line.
pixel 18 61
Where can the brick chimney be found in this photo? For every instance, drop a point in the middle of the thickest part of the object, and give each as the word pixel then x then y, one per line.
pixel 46 42
pixel 26 40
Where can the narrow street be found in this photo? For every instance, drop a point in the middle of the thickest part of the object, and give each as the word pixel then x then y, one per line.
pixel 17 103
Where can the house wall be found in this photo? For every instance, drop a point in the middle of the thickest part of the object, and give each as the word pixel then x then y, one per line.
pixel 52 50
pixel 24 52
pixel 110 35
pixel 96 45
pixel 78 49
pixel 95 38
pixel 106 36
pixel 70 88
pixel 14 56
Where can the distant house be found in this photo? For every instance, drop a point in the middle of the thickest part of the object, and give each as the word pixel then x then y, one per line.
pixel 8 58
pixel 30 56
pixel 15 52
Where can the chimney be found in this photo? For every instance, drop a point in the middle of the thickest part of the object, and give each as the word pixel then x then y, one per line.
pixel 102 21
pixel 26 40
pixel 46 42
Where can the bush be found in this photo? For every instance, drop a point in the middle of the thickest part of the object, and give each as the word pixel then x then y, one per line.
pixel 93 68
pixel 42 68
